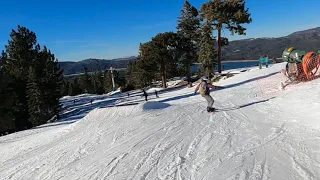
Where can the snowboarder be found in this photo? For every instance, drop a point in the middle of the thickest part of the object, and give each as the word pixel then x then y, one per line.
pixel 145 94
pixel 204 88
pixel 156 92
pixel 91 101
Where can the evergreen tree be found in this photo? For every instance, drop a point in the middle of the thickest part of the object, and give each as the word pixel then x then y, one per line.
pixel 207 54
pixel 20 54
pixel 36 79
pixel 43 91
pixel 107 83
pixel 186 54
pixel 52 82
pixel 85 82
pixel 160 55
pixel 71 91
pixel 74 87
pixel 7 97
pixel 189 23
pixel 139 74
pixel 130 70
pixel 98 82
pixel 146 67
pixel 188 30
pixel 65 88
pixel 35 97
pixel 226 14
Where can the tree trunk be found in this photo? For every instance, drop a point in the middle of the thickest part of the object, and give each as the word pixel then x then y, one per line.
pixel 188 71
pixel 210 71
pixel 219 49
pixel 164 83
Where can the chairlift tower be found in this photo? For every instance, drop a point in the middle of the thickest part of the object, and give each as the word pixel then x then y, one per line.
pixel 112 77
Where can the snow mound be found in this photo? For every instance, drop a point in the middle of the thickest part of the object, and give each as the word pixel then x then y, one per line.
pixel 152 90
pixel 114 93
pixel 153 105
pixel 174 83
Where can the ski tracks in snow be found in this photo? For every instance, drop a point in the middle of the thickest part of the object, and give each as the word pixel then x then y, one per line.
pixel 250 138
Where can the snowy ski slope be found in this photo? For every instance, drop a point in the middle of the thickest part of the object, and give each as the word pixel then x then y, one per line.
pixel 259 132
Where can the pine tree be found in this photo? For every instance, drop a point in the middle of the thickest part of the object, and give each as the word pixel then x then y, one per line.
pixel 35 98
pixel 85 82
pixel 52 81
pixel 107 83
pixel 146 68
pixel 74 87
pixel 130 70
pixel 20 54
pixel 160 55
pixel 188 30
pixel 186 54
pixel 71 91
pixel 7 97
pixel 43 91
pixel 37 79
pixel 64 88
pixel 98 82
pixel 207 54
pixel 189 23
pixel 226 14
pixel 139 74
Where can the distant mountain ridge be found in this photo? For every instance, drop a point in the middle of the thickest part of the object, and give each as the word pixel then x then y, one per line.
pixel 253 48
pixel 94 65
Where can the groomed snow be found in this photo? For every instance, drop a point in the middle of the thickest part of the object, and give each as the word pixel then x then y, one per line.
pixel 152 90
pixel 259 132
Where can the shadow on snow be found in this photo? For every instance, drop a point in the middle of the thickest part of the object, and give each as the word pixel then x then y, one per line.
pixel 243 106
pixel 224 87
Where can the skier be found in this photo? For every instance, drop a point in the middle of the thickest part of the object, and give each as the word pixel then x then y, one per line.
pixel 156 92
pixel 205 92
pixel 145 95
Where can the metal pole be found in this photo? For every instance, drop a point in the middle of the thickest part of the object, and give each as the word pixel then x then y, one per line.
pixel 112 77
pixel 219 49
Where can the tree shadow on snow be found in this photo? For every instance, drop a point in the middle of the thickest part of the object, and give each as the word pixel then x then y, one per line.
pixel 250 80
pixel 244 105
pixel 223 87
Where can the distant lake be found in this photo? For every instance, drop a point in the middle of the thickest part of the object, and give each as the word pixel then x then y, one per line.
pixel 234 65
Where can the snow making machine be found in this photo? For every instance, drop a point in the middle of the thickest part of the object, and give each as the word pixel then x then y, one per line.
pixel 301 65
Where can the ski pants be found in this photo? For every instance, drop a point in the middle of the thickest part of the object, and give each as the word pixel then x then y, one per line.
pixel 209 100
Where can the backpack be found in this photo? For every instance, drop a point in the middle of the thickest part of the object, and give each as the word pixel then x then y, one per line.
pixel 204 89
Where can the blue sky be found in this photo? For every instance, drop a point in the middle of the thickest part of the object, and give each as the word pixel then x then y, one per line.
pixel 76 30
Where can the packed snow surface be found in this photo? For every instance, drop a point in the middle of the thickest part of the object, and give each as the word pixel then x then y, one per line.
pixel 258 132
pixel 152 90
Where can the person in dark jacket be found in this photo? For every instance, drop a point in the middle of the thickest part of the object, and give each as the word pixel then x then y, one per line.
pixel 145 94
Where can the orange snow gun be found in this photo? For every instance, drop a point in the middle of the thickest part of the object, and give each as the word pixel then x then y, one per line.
pixel 308 62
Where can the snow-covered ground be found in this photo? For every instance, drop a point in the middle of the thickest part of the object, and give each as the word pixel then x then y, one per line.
pixel 152 90
pixel 259 132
